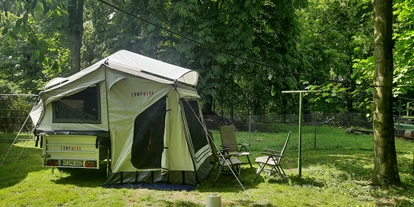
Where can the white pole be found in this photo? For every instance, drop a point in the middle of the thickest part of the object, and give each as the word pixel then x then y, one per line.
pixel 213 200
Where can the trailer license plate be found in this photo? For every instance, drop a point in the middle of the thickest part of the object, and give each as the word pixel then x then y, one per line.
pixel 74 163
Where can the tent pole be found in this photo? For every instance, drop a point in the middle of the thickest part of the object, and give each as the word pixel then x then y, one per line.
pixel 109 158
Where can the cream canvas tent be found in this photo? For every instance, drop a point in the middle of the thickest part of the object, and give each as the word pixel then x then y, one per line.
pixel 147 110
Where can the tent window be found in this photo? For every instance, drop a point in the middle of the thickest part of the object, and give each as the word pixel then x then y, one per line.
pixel 148 143
pixel 82 107
pixel 197 133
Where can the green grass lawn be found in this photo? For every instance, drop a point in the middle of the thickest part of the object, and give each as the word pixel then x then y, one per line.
pixel 335 173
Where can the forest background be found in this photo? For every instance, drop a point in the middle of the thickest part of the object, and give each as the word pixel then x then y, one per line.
pixel 247 52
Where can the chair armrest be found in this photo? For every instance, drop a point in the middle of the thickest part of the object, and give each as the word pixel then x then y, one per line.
pixel 271 154
pixel 226 156
pixel 266 153
pixel 273 151
pixel 225 149
pixel 244 147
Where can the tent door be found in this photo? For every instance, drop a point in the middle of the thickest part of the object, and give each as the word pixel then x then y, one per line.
pixel 147 146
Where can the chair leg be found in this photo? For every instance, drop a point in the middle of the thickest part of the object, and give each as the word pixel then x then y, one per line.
pixel 250 163
pixel 259 170
pixel 209 173
pixel 276 170
pixel 218 174
pixel 282 172
pixel 237 169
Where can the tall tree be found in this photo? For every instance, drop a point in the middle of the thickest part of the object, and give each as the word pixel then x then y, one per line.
pixel 264 31
pixel 385 161
pixel 404 39
pixel 334 33
pixel 75 30
pixel 33 44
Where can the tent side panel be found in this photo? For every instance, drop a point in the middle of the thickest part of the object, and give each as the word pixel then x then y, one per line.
pixel 176 154
pixel 197 137
pixel 128 97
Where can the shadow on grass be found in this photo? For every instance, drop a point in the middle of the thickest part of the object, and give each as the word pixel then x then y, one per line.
pixel 251 203
pixel 295 180
pixel 180 203
pixel 356 163
pixel 228 182
pixel 402 195
pixel 82 177
pixel 20 161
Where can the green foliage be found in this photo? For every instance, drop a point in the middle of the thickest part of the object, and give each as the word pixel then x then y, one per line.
pixel 404 41
pixel 33 46
pixel 334 35
pixel 317 44
pixel 261 31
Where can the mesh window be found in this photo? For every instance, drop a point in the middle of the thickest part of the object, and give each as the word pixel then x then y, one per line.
pixel 196 128
pixel 82 107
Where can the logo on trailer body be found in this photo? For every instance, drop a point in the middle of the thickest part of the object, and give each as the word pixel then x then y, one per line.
pixel 142 93
pixel 71 148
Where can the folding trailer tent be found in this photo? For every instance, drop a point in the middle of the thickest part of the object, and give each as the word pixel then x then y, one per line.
pixel 145 111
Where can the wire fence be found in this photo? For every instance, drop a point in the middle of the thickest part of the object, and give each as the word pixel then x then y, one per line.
pixel 13 113
pixel 266 123
pixel 15 109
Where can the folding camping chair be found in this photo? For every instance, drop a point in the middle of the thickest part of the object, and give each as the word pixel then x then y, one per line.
pixel 229 143
pixel 270 163
pixel 226 163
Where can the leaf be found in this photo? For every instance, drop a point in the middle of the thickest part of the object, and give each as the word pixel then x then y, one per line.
pixel 370 90
pixel 17 30
pixel 5 30
pixel 12 35
pixel 39 9
pixel 34 4
pixel 41 56
pixel 35 56
pixel 33 40
pixel 328 100
pixel 55 65
pixel 19 22
pixel 43 46
pixel 46 7
pixel 25 17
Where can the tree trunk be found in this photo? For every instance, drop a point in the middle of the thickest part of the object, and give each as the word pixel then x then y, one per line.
pixel 75 30
pixel 385 160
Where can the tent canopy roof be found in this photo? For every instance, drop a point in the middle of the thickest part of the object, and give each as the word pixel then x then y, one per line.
pixel 138 65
